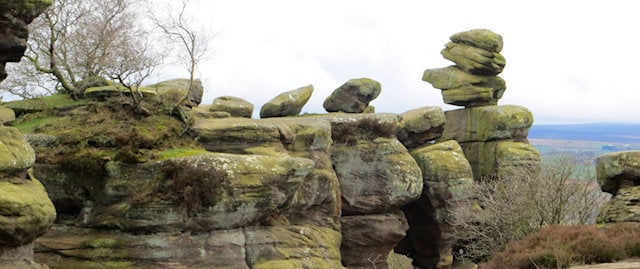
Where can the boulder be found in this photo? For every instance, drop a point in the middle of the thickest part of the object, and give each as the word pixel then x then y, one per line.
pixel 487 123
pixel 6 115
pixel 353 97
pixel 474 60
pixel 624 207
pixel 480 38
pixel 448 180
pixel 15 151
pixel 421 125
pixel 26 211
pixel 465 89
pixel 287 103
pixel 618 170
pixel 368 239
pixel 171 91
pixel 237 107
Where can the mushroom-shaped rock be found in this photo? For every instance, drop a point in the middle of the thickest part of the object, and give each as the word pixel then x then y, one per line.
pixel 418 126
pixel 287 103
pixel 354 96
pixel 237 107
pixel 618 170
pixel 15 151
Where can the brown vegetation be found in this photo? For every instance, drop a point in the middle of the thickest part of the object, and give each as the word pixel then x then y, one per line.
pixel 560 246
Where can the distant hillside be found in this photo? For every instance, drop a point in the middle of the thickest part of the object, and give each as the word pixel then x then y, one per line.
pixel 603 132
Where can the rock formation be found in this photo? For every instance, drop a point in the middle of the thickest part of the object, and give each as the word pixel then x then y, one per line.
pixel 619 174
pixel 237 107
pixel 25 209
pixel 287 103
pixel 493 138
pixel 353 96
pixel 320 191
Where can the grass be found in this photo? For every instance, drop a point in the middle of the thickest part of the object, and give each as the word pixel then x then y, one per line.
pixel 179 152
pixel 56 101
pixel 32 125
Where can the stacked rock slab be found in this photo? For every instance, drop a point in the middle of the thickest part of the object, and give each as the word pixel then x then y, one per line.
pixel 619 174
pixel 26 211
pixel 493 138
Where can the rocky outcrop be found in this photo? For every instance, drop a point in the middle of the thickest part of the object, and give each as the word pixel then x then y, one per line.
pixel 236 107
pixel 619 174
pixel 353 96
pixel 172 91
pixel 492 137
pixel 421 125
pixel 287 103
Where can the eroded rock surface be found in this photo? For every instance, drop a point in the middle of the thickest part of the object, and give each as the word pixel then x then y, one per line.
pixel 353 96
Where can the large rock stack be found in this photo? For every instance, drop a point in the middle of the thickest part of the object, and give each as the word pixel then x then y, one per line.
pixel 619 174
pixel 26 211
pixel 494 138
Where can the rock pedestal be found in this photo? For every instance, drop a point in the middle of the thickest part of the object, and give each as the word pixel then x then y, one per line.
pixel 493 138
pixel 619 174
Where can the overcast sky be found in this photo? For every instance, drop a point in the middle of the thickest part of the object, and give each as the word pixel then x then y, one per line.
pixel 567 61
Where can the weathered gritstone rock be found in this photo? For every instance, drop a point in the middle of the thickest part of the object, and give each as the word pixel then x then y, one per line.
pixel 368 239
pixel 237 107
pixel 500 158
pixel 251 247
pixel 6 115
pixel 624 207
pixel 15 151
pixel 447 182
pixel 472 81
pixel 421 125
pixel 102 93
pixel 487 123
pixel 171 91
pixel 26 211
pixel 287 103
pixel 618 170
pixel 353 96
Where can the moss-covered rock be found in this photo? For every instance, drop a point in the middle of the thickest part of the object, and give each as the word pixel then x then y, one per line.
pixel 288 103
pixel 25 211
pixel 6 115
pixel 618 170
pixel 448 180
pixel 353 96
pixel 624 207
pixel 480 38
pixel 25 9
pixel 238 135
pixel 487 123
pixel 171 91
pixel 237 107
pixel 473 59
pixel 367 240
pixel 418 126
pixel 501 158
pixel 102 93
pixel 15 151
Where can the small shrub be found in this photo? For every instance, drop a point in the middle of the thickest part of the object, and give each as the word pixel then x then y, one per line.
pixel 192 187
pixel 560 246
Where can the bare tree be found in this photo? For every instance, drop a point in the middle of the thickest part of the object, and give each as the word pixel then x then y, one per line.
pixel 75 40
pixel 562 192
pixel 191 41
